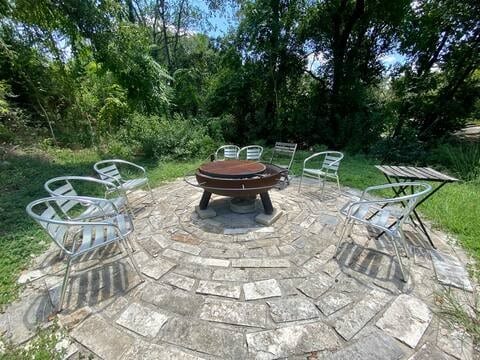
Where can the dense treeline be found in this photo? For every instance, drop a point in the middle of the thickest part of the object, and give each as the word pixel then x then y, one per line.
pixel 139 75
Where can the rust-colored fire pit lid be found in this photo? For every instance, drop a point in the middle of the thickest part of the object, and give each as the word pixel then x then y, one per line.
pixel 233 169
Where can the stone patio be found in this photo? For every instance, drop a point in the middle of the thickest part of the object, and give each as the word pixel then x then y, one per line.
pixel 229 288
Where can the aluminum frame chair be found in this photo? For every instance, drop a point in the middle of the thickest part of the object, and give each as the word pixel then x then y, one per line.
pixel 328 169
pixel 230 152
pixel 286 150
pixel 387 214
pixel 62 186
pixel 252 152
pixel 80 236
pixel 108 171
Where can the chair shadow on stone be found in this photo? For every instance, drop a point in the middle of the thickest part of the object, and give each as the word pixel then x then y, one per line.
pixel 376 265
pixel 100 275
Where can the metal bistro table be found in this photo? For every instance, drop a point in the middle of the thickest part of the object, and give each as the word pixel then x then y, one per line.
pixel 413 173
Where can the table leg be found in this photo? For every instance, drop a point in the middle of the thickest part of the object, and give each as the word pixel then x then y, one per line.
pixel 267 203
pixel 205 199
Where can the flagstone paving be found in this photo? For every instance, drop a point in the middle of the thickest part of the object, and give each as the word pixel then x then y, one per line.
pixel 229 288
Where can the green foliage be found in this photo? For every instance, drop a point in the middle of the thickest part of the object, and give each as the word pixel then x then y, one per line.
pixel 461 157
pixel 41 347
pixel 172 138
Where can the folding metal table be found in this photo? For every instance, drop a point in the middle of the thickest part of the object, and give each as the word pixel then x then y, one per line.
pixel 415 173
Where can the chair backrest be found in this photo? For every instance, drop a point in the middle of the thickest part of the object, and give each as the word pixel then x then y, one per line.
pixel 44 212
pixel 331 161
pixel 416 191
pixel 62 186
pixel 285 150
pixel 252 152
pixel 227 152
pixel 108 170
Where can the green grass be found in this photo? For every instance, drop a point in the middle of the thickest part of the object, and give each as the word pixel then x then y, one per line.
pixel 22 175
pixel 455 208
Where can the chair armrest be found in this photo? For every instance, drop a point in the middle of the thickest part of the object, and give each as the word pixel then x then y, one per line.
pixel 141 168
pixel 312 156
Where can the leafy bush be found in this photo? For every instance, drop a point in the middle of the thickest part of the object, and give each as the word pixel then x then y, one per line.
pixel 403 149
pixel 175 138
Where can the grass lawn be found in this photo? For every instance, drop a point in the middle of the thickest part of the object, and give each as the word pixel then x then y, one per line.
pixel 456 208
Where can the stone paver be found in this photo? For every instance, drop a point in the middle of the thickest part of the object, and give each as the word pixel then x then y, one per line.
pixel 173 300
pixel 334 301
pixel 262 289
pixel 406 319
pixel 227 287
pixel 291 340
pixel 233 312
pixel 101 338
pixel 203 337
pixel 376 346
pixel 455 342
pixel 219 289
pixel 291 309
pixel 428 351
pixel 179 281
pixel 146 351
pixel 315 286
pixel 450 271
pixel 355 318
pixel 156 268
pixel 260 263
pixel 142 320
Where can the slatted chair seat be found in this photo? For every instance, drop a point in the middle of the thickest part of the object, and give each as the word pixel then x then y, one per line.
pixel 79 236
pixel 108 170
pixel 95 236
pixel 328 168
pixel 388 215
pixel 109 208
pixel 130 185
pixel 63 186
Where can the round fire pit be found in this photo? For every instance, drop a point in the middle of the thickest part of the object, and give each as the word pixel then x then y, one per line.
pixel 239 179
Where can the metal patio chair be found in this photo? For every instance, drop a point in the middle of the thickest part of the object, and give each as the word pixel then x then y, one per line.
pixel 108 170
pixel 328 168
pixel 63 186
pixel 252 152
pixel 282 156
pixel 80 236
pixel 227 152
pixel 387 215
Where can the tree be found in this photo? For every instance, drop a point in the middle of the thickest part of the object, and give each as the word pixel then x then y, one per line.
pixel 436 88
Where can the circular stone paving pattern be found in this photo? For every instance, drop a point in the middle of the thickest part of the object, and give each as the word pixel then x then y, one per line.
pixel 229 288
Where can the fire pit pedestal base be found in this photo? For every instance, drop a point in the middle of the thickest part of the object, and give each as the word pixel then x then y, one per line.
pixel 243 205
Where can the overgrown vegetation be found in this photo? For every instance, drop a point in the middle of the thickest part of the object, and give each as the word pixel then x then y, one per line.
pixel 133 76
pixel 42 347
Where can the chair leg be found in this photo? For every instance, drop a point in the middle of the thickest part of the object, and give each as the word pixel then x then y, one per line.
pixel 300 183
pixel 345 225
pixel 402 270
pixel 404 243
pixel 338 183
pixel 64 285
pixel 132 259
pixel 151 193
pixel 323 187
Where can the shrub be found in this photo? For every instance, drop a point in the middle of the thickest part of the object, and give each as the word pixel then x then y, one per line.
pixel 175 138
pixel 403 149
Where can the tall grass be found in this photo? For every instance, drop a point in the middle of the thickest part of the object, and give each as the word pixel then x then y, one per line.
pixel 463 158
